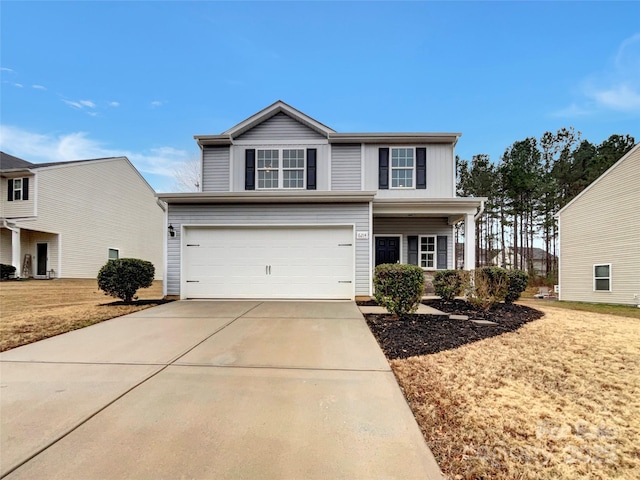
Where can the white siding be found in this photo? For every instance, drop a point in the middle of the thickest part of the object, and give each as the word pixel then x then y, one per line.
pixel 95 206
pixel 600 227
pixel 440 173
pixel 407 226
pixel 270 214
pixel 17 208
pixel 28 245
pixel 215 175
pixel 346 166
pixel 280 127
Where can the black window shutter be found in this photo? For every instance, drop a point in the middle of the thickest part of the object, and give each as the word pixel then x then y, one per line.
pixel 250 169
pixel 442 252
pixel 421 168
pixel 412 255
pixel 25 189
pixel 311 168
pixel 383 168
pixel 10 190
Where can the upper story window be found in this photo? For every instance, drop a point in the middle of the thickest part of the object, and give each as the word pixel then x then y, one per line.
pixel 280 168
pixel 17 189
pixel 402 167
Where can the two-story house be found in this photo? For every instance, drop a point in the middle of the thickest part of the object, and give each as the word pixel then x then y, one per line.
pixel 66 219
pixel 289 208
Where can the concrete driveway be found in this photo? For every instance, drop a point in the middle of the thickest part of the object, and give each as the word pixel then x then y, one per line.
pixel 210 390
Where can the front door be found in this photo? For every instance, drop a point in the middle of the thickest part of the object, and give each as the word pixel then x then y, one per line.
pixel 387 250
pixel 41 259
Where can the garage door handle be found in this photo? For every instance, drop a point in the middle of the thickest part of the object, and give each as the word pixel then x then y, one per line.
pixel 344 281
pixel 193 244
pixel 267 269
pixel 345 244
pixel 193 281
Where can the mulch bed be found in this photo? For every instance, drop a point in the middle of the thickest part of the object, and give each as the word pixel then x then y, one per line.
pixel 413 335
pixel 136 303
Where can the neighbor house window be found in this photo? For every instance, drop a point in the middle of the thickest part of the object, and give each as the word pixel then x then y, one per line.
pixel 280 168
pixel 428 252
pixel 602 277
pixel 402 167
pixel 114 254
pixel 17 189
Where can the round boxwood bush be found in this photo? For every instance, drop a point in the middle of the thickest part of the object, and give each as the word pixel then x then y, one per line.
pixel 398 287
pixel 518 281
pixel 123 277
pixel 7 271
pixel 450 283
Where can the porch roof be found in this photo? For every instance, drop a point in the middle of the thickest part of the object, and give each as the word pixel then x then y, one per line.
pixel 455 209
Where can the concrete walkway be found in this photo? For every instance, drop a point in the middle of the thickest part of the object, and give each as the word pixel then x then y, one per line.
pixel 210 390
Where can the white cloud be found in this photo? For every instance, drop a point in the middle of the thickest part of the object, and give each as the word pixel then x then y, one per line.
pixel 8 70
pixel 81 105
pixel 114 104
pixel 39 87
pixel 19 85
pixel 38 148
pixel 156 103
pixel 615 88
pixel 571 111
pixel 88 103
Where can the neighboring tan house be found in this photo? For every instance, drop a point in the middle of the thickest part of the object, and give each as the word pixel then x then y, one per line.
pixel 66 219
pixel 289 208
pixel 539 259
pixel 600 237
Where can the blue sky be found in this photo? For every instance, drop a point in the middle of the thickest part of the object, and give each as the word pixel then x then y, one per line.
pixel 93 79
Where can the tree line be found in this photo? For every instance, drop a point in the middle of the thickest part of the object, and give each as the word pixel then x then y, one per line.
pixel 533 180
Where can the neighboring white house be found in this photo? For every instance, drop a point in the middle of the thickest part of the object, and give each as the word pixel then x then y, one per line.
pixel 600 237
pixel 289 208
pixel 66 219
pixel 540 259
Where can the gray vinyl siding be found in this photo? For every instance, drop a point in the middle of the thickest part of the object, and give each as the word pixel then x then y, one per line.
pixel 215 169
pixel 18 208
pixel 280 127
pixel 5 246
pixel 441 173
pixel 407 226
pixel 601 227
pixel 346 167
pixel 270 214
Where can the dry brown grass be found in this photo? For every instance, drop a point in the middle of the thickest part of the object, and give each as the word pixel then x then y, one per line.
pixel 32 310
pixel 559 398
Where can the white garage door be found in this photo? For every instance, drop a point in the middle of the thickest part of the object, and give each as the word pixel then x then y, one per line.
pixel 265 262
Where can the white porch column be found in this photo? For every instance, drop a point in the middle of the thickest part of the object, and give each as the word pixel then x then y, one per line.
pixel 469 242
pixel 15 250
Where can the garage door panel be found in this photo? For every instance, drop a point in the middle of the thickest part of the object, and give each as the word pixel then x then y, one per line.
pixel 265 262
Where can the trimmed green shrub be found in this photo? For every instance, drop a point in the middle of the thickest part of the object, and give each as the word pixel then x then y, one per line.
pixel 123 277
pixel 7 271
pixel 489 287
pixel 450 283
pixel 398 287
pixel 518 281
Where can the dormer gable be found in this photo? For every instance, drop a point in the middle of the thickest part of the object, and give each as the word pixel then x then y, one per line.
pixel 279 121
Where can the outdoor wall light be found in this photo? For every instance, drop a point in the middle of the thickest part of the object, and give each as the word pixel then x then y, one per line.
pixel 172 231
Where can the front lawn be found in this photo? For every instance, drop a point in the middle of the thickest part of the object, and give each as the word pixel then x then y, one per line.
pixel 558 397
pixel 31 310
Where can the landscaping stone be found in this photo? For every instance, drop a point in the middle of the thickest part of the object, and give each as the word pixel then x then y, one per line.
pixel 459 317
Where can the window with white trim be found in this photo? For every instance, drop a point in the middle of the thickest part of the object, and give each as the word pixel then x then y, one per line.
pixel 427 252
pixel 114 254
pixel 602 277
pixel 402 167
pixel 288 174
pixel 17 189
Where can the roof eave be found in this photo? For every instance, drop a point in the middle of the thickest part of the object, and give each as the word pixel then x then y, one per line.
pixel 395 138
pixel 268 197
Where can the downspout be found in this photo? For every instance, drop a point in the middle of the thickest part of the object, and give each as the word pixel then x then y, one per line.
pixel 475 219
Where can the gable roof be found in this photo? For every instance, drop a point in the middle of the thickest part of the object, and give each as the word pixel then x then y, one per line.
pixel 227 137
pixel 597 180
pixel 9 162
